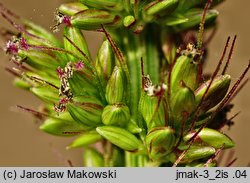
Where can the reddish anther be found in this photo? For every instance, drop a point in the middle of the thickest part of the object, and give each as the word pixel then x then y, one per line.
pixel 214 156
pixel 79 65
pixel 60 72
pixel 24 44
pixel 11 48
pixel 63 101
pixel 66 20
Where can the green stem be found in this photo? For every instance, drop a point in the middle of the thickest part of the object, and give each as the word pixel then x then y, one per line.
pixel 107 147
pixel 128 158
pixel 133 55
pixel 151 57
pixel 142 160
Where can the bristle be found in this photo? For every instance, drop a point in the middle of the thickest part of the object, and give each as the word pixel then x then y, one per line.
pixel 61 50
pixel 232 162
pixel 120 58
pixel 230 154
pixel 8 11
pixel 238 90
pixel 39 115
pixel 21 66
pixel 233 89
pixel 19 27
pixel 182 155
pixel 60 156
pixel 169 79
pixel 201 28
pixel 142 74
pixel 229 121
pixel 190 143
pixel 229 56
pixel 220 158
pixel 13 72
pixel 156 108
pixel 166 116
pixel 78 49
pixel 116 49
pixel 70 163
pixel 210 160
pixel 39 80
pixel 183 124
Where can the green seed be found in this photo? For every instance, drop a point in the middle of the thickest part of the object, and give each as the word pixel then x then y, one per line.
pixel 111 5
pixel 76 36
pixel 85 140
pixel 184 96
pixel 61 57
pixel 81 85
pixel 116 114
pixel 91 19
pixel 201 164
pixel 185 5
pixel 115 90
pixel 100 3
pixel 39 60
pixel 166 6
pixel 105 62
pixel 47 94
pixel 174 20
pixel 148 107
pixel 160 142
pixel 198 152
pixel 49 38
pixel 21 84
pixel 63 125
pixel 184 70
pixel 194 18
pixel 71 8
pixel 89 115
pixel 216 92
pixel 213 138
pixel 183 101
pixel 81 99
pixel 119 137
pixel 133 127
pixel 40 78
pixel 128 20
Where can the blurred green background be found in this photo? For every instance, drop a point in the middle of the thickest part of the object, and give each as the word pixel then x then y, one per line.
pixel 23 144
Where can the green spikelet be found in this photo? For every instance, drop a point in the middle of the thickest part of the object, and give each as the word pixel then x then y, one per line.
pixel 76 36
pixel 115 89
pixel 116 114
pixel 160 142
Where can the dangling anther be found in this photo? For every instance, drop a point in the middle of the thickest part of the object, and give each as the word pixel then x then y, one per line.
pixel 60 19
